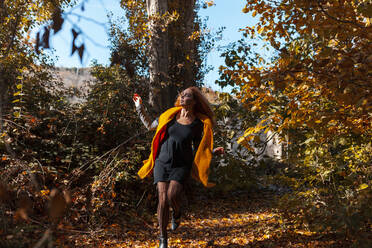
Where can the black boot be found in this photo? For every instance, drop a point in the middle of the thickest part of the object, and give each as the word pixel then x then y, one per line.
pixel 176 220
pixel 163 242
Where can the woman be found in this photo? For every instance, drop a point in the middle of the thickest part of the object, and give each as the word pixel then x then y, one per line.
pixel 182 145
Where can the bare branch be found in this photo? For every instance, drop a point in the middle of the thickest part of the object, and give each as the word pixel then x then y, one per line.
pixel 16 124
pixel 88 19
pixel 85 35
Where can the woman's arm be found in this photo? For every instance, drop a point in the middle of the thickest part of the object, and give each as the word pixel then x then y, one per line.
pixel 150 125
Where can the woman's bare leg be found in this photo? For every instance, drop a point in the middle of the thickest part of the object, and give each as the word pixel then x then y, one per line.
pixel 163 207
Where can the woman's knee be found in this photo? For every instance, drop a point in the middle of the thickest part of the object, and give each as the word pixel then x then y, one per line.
pixel 173 193
pixel 163 197
pixel 171 196
pixel 162 189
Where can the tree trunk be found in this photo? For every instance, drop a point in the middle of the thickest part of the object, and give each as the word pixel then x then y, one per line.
pixel 182 50
pixel 160 98
pixel 169 49
pixel 189 45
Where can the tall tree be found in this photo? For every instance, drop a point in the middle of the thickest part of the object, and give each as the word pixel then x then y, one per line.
pixel 169 31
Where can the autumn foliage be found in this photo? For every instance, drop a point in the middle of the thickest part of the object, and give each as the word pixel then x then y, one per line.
pixel 68 169
pixel 316 94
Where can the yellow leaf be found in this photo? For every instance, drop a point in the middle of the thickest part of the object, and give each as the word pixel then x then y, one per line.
pixel 17 114
pixel 254 13
pixel 363 186
pixel 210 3
pixel 307 233
pixel 240 140
pixel 260 30
pixel 19 86
pixel 45 192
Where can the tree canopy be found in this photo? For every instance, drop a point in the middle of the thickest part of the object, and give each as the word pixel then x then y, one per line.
pixel 316 94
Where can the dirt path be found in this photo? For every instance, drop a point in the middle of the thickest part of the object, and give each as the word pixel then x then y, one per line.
pixel 236 221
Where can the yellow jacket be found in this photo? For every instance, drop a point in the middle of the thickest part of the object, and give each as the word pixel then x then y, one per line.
pixel 203 156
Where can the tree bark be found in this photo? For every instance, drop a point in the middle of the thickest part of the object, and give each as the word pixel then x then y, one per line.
pixel 159 98
pixel 172 55
pixel 189 45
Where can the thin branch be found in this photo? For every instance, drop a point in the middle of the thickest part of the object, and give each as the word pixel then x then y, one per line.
pixel 79 231
pixel 45 239
pixel 265 144
pixel 85 35
pixel 108 152
pixel 16 124
pixel 63 133
pixel 76 7
pixel 89 19
pixel 41 166
pixel 337 19
pixel 37 222
pixel 139 202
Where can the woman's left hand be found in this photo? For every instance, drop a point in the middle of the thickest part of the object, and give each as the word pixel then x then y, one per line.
pixel 219 150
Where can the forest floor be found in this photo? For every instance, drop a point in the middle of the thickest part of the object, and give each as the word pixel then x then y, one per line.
pixel 241 220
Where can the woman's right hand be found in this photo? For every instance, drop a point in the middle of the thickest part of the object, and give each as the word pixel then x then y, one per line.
pixel 137 100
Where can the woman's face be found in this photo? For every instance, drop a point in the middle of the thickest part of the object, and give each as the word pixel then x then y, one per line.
pixel 187 98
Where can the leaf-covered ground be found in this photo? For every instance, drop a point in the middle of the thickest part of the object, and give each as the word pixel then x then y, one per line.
pixel 243 220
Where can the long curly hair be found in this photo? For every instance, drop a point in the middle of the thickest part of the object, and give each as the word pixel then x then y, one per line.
pixel 201 103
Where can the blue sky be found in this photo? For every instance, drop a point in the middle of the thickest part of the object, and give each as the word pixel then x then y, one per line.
pixel 227 13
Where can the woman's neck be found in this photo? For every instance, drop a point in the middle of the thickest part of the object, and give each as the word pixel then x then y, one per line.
pixel 187 112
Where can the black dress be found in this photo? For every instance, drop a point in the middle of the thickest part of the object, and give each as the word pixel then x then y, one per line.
pixel 177 151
